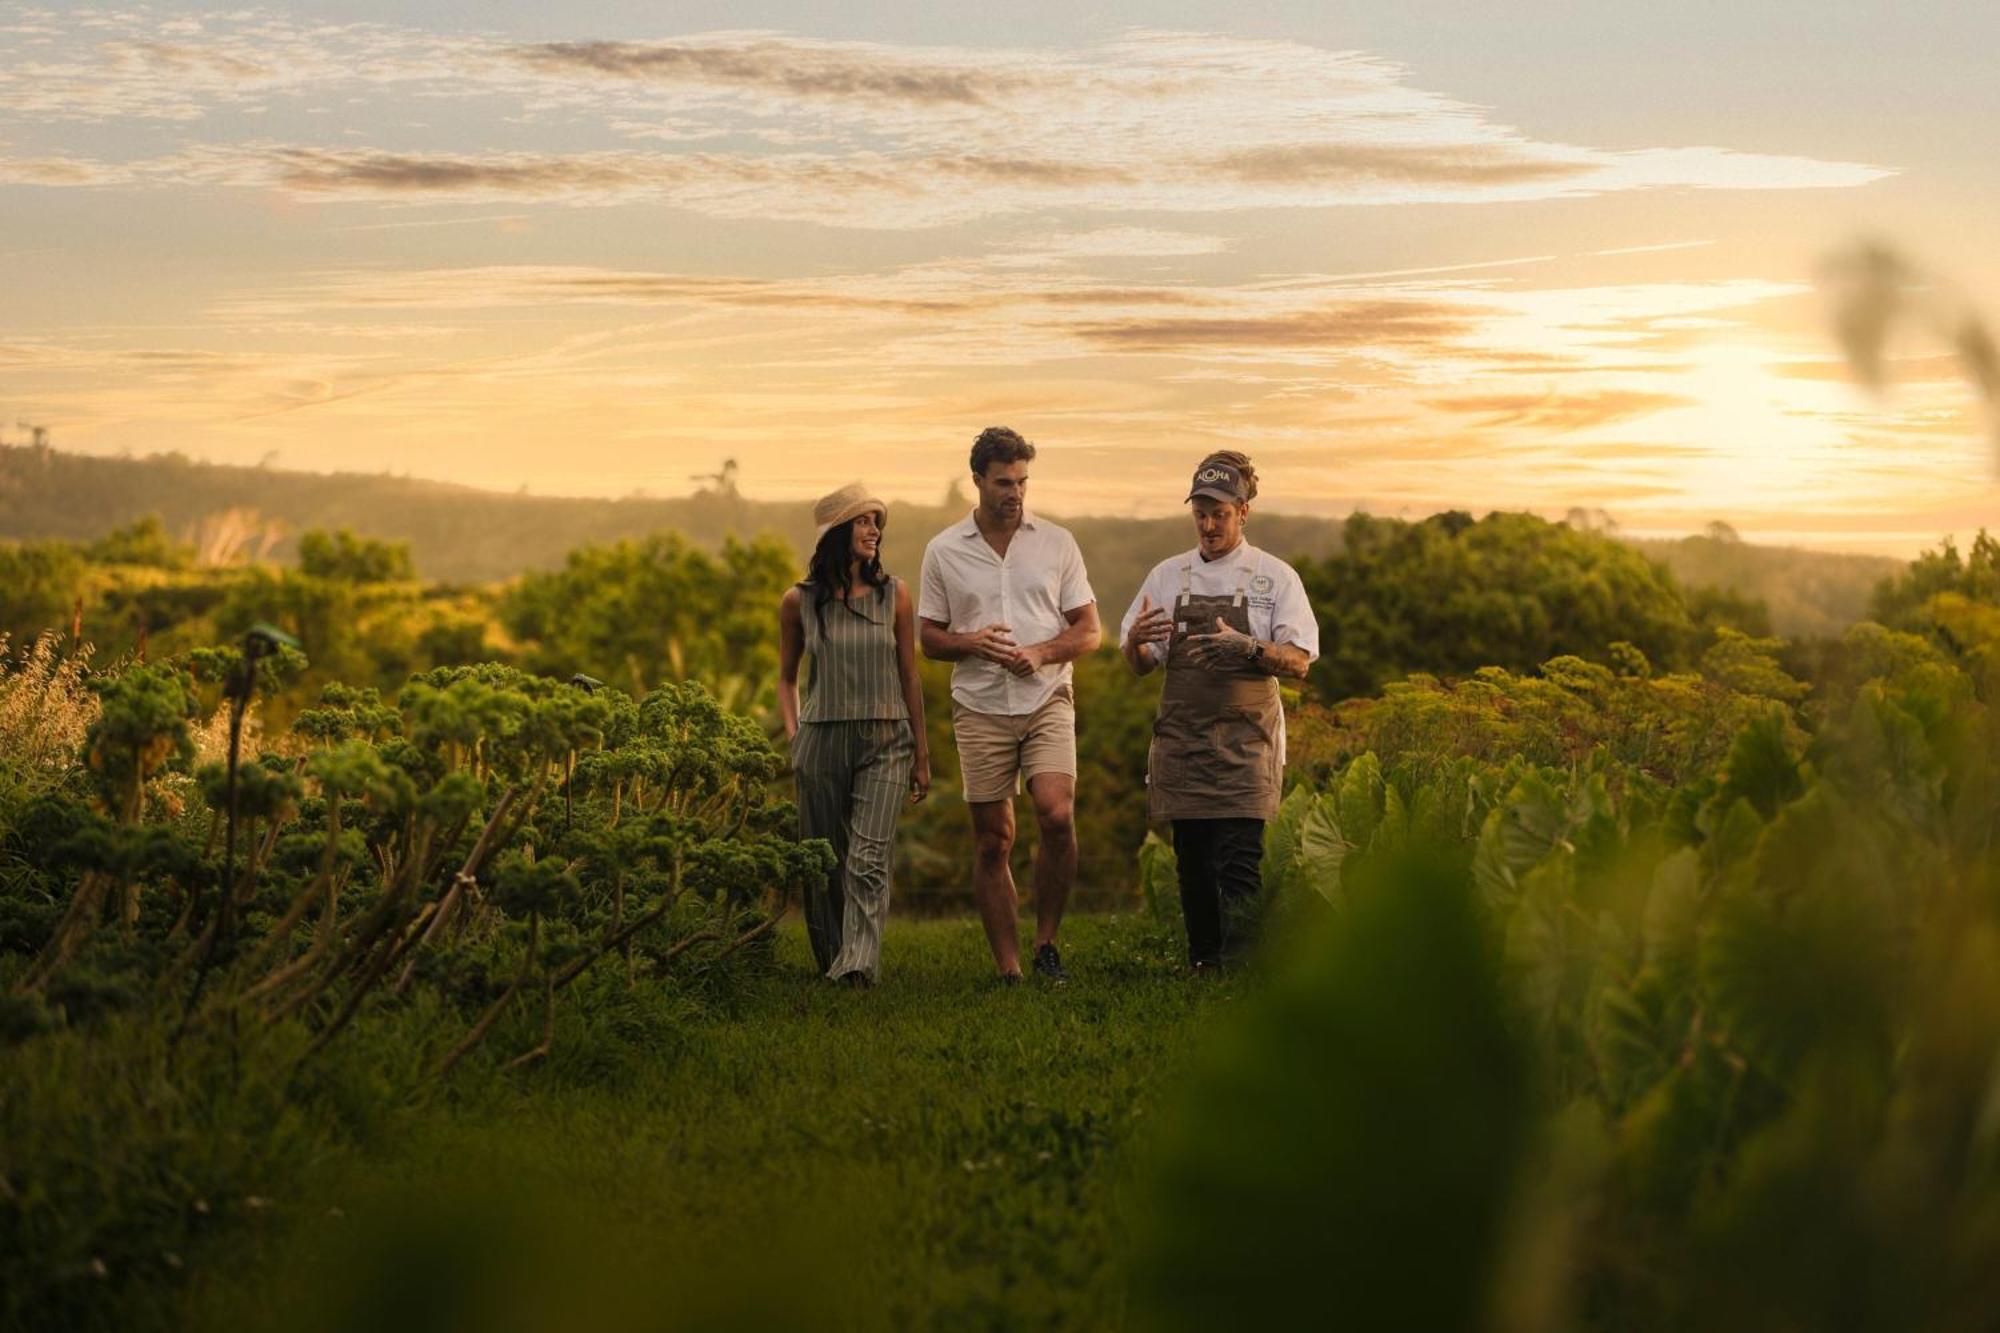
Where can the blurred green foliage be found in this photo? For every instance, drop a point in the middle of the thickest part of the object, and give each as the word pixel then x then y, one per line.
pixel 1808 594
pixel 1746 982
pixel 343 557
pixel 474 849
pixel 642 613
pixel 1903 601
pixel 1452 594
pixel 144 541
pixel 1634 988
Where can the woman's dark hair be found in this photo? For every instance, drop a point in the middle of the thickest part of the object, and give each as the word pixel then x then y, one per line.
pixel 999 444
pixel 826 572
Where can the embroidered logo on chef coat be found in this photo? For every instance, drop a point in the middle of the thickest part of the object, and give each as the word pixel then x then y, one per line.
pixel 1262 585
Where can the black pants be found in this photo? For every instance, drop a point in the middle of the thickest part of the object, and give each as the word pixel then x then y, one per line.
pixel 1222 876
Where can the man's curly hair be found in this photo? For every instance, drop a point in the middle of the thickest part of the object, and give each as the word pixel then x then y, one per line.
pixel 999 444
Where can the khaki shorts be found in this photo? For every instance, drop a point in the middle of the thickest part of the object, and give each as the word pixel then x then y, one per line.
pixel 997 752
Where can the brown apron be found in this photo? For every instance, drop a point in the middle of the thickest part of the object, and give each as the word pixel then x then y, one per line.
pixel 1215 742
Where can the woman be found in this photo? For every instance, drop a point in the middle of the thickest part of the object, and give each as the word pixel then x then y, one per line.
pixel 1226 620
pixel 857 738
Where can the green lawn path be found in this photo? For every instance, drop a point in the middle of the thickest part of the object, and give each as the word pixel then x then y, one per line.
pixel 938 1152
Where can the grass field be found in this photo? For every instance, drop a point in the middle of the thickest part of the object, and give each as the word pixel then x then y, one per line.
pixel 938 1152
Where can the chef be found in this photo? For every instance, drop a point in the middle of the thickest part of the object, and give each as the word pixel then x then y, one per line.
pixel 1226 620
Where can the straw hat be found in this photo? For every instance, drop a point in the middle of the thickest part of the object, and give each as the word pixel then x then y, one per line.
pixel 849 502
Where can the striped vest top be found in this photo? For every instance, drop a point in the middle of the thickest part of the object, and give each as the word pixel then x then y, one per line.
pixel 852 660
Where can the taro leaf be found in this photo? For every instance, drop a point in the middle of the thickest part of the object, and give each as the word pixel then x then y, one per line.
pixel 1760 768
pixel 1810 971
pixel 1159 875
pixel 1636 1034
pixel 1667 1141
pixel 1349 1150
pixel 1548 950
pixel 1521 830
pixel 1321 851
pixel 1733 832
pixel 1888 756
pixel 1392 831
pixel 1682 821
pixel 1361 799
pixel 1281 839
pixel 1669 932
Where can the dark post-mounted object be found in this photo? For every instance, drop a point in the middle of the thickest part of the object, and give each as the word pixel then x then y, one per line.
pixel 261 641
pixel 589 685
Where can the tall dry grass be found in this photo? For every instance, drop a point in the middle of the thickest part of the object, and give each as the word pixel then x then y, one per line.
pixel 46 706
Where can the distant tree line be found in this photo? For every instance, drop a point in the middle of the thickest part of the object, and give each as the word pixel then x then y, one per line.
pixel 220 514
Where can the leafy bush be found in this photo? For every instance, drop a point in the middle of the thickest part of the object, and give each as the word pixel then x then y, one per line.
pixel 466 854
pixel 640 613
pixel 1451 595
pixel 1902 601
pixel 1756 990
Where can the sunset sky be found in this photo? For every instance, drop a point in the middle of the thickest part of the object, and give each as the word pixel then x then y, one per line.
pixel 1407 256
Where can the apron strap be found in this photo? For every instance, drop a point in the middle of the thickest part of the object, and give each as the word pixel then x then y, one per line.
pixel 1243 578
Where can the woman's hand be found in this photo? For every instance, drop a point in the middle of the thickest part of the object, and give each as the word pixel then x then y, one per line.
pixel 920 778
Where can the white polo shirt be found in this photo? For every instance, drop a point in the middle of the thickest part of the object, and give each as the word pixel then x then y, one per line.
pixel 1280 611
pixel 966 586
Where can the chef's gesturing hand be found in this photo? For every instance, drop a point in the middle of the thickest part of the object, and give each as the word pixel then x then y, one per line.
pixel 1225 648
pixel 1153 625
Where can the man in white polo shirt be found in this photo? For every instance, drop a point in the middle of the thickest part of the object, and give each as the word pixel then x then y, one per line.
pixel 1005 598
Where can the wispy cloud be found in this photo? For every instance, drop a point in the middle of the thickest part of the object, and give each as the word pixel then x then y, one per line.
pixel 60 171
pixel 806 70
pixel 1079 239
pixel 1659 248
pixel 1466 165
pixel 1559 412
pixel 1113 243
pixel 1909 369
pixel 852 134
pixel 1358 324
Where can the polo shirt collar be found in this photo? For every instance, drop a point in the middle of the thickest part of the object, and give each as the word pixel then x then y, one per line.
pixel 970 527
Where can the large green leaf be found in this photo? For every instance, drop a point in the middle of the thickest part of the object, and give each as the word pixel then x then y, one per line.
pixel 1531 822
pixel 1281 837
pixel 1349 1151
pixel 1760 768
pixel 1322 851
pixel 1361 799
pixel 1159 876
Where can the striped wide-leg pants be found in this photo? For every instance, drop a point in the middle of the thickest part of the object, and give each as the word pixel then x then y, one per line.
pixel 853 779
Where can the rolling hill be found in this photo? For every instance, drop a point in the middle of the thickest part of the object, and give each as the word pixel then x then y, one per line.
pixel 461 534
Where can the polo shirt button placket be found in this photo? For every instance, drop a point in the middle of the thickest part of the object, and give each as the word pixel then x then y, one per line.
pixel 1007 678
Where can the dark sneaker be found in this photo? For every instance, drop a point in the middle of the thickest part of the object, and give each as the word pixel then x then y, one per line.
pixel 1048 964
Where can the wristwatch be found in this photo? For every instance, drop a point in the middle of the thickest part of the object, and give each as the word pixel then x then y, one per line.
pixel 1256 652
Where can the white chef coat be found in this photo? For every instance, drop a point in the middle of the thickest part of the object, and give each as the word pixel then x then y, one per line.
pixel 1280 611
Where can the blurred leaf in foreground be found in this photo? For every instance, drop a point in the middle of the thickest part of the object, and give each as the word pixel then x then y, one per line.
pixel 1349 1150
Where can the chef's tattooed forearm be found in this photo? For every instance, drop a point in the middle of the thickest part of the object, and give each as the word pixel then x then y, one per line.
pixel 1286 659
